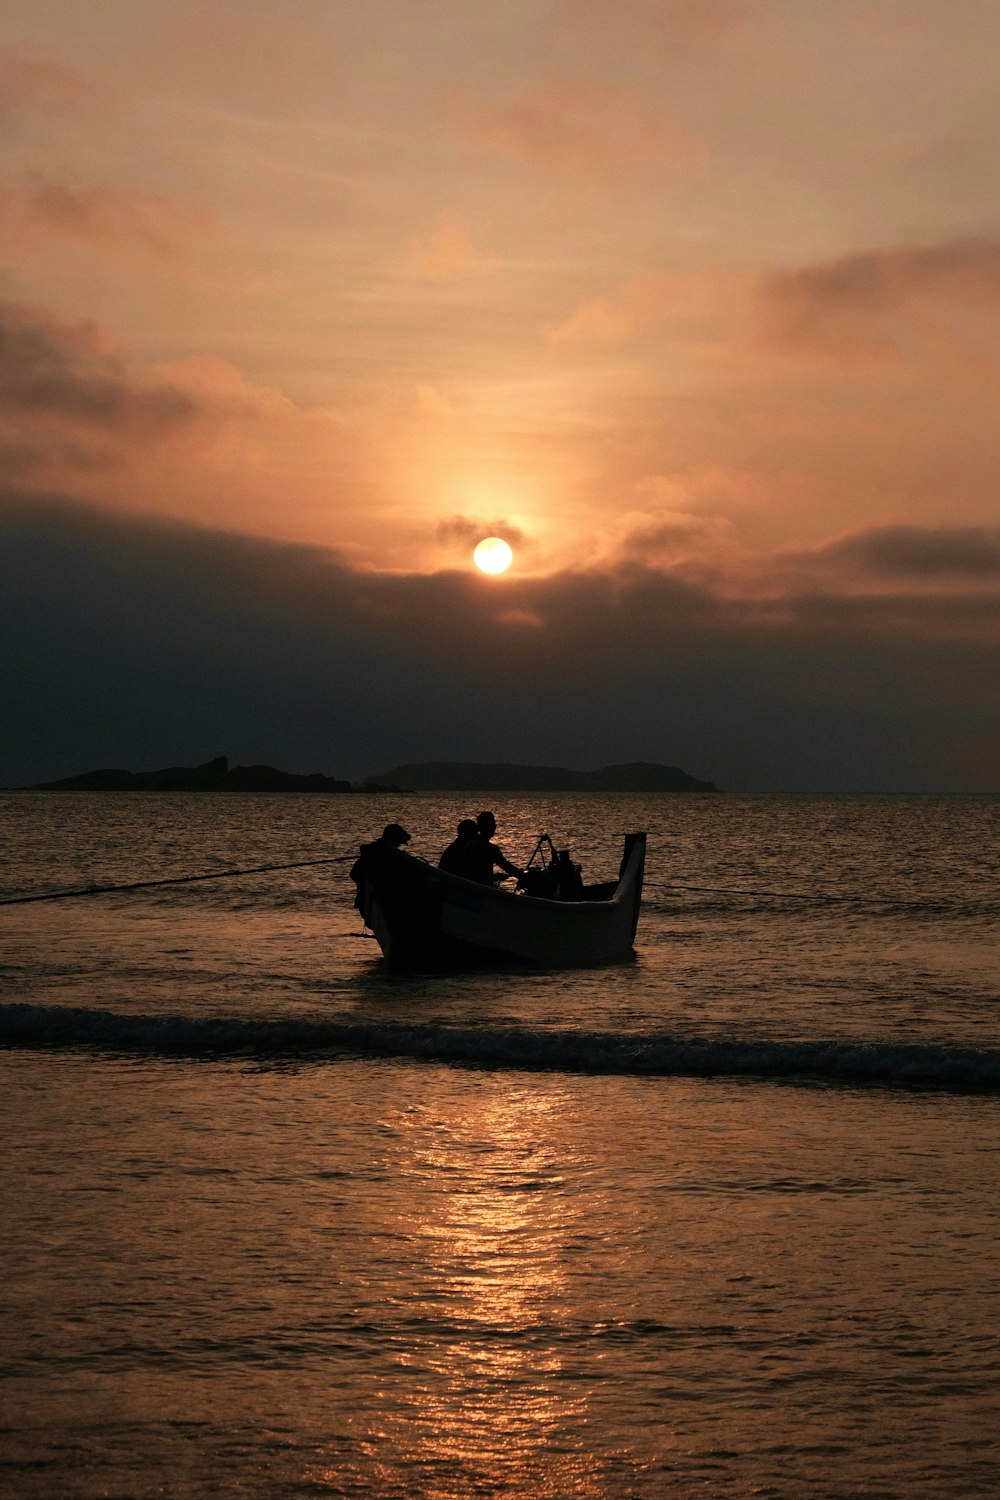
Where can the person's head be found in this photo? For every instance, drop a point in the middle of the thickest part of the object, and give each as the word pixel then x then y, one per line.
pixel 487 824
pixel 468 828
pixel 395 834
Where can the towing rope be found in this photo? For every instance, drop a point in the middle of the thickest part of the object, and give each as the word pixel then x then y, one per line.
pixel 735 890
pixel 140 885
pixel 300 864
pixel 819 897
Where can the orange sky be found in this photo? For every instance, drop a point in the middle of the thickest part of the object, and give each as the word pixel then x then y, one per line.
pixel 718 272
pixel 705 286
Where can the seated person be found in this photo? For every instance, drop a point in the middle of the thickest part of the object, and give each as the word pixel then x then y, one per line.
pixel 455 858
pixel 483 856
pixel 393 836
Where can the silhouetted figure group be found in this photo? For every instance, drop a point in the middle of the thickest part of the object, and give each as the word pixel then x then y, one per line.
pixel 473 854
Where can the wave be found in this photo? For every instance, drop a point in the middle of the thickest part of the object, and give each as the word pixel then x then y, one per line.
pixel 647 1054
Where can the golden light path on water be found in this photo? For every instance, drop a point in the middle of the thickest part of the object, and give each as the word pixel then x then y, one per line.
pixel 491 1398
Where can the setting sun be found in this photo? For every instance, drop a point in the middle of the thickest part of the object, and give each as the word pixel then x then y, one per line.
pixel 493 555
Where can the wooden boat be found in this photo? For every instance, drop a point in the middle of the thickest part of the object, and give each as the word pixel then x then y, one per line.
pixel 424 917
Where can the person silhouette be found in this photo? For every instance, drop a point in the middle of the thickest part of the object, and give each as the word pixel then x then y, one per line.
pixel 455 858
pixel 393 835
pixel 484 856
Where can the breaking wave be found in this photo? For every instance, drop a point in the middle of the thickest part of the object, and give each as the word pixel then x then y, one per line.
pixel 647 1054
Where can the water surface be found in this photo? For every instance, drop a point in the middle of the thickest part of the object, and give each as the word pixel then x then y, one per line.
pixel 719 1221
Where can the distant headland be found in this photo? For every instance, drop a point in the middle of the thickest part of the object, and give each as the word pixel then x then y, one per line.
pixel 214 776
pixel 423 776
pixel 457 776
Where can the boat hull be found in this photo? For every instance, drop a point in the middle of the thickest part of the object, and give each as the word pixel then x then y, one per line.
pixel 424 917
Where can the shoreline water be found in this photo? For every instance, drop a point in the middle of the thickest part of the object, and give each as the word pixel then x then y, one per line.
pixel 280 1222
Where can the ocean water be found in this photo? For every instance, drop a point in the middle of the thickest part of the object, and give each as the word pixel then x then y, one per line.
pixel 722 1221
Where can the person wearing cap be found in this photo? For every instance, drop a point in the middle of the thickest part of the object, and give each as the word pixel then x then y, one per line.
pixel 392 835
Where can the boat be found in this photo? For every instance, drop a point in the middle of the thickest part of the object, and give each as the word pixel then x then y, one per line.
pixel 427 918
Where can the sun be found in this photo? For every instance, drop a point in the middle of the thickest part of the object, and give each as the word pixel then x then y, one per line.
pixel 493 555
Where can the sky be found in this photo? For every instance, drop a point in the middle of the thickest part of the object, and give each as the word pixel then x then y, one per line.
pixel 696 303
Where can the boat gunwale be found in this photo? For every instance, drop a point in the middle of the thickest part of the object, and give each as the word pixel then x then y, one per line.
pixel 544 903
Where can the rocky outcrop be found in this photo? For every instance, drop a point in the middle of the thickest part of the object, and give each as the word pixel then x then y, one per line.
pixel 214 776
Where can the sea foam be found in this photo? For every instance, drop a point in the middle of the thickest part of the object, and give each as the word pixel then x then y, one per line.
pixel 876 1063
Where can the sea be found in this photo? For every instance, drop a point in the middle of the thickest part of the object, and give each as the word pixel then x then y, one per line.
pixel 722 1220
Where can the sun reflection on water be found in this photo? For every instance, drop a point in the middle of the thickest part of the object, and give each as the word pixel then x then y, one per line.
pixel 484 1395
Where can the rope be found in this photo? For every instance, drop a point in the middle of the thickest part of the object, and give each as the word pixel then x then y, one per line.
pixel 299 864
pixel 141 885
pixel 733 890
pixel 822 896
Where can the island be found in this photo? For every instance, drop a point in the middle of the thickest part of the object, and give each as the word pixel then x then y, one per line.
pixel 458 776
pixel 421 776
pixel 214 776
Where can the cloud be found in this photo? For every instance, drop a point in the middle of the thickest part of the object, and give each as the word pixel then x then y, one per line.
pixel 618 314
pixel 711 20
pixel 177 436
pixel 667 539
pixel 716 489
pixel 193 437
pixel 467 530
pixel 701 307
pixel 528 619
pixel 913 554
pixel 865 305
pixel 658 31
pixel 69 377
pixel 692 524
pixel 686 531
pixel 443 250
pixel 574 127
pixel 114 220
pixel 139 642
pixel 32 84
